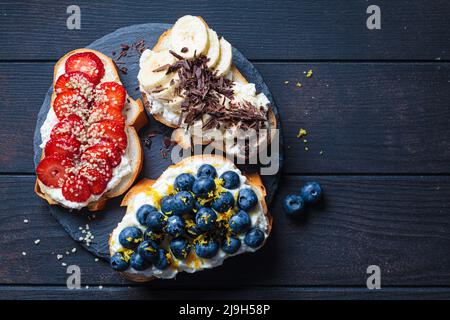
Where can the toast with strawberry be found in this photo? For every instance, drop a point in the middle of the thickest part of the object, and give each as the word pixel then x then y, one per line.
pixel 91 150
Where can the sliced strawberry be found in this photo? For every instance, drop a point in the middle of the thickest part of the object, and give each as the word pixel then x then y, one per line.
pixel 52 170
pixel 110 130
pixel 110 93
pixel 97 181
pixel 88 63
pixel 71 126
pixel 67 146
pixel 106 112
pixel 76 188
pixel 106 149
pixel 77 81
pixel 93 159
pixel 70 102
pixel 92 155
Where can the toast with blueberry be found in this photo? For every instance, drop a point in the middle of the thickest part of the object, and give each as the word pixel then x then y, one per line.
pixel 188 82
pixel 91 150
pixel 198 213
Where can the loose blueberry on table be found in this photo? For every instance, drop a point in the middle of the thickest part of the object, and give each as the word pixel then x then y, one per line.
pixel 294 204
pixel 311 192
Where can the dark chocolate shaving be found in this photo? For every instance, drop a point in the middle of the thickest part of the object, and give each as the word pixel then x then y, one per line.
pixel 206 93
pixel 161 68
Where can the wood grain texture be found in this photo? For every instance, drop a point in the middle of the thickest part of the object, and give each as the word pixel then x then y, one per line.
pixel 261 30
pixel 365 117
pixel 249 293
pixel 401 224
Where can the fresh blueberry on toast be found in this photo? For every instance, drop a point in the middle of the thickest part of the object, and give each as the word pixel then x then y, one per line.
pixel 196 230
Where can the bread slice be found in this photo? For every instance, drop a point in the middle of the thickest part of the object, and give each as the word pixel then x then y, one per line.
pixel 142 186
pixel 180 136
pixel 135 119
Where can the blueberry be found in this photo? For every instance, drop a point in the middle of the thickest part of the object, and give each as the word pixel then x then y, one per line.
pixel 183 202
pixel 206 249
pixel 155 221
pixel 175 226
pixel 118 262
pixel 203 186
pixel 240 222
pixel 293 204
pixel 205 219
pixel 230 180
pixel 192 229
pixel 207 170
pixel 311 192
pixel 231 245
pixel 130 237
pixel 197 206
pixel 163 259
pixel 184 182
pixel 148 250
pixel 247 199
pixel 224 202
pixel 137 262
pixel 180 248
pixel 254 238
pixel 143 212
pixel 167 204
pixel 156 237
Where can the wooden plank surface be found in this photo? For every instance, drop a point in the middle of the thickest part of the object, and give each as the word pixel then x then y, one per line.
pixel 246 293
pixel 363 221
pixel 292 29
pixel 366 117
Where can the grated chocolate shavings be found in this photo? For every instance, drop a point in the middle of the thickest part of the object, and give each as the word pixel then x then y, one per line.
pixel 203 90
pixel 124 70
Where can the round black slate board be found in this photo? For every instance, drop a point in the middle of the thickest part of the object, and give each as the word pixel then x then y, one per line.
pixel 154 164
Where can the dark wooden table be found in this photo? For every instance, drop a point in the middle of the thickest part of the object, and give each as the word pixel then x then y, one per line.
pixel 377 105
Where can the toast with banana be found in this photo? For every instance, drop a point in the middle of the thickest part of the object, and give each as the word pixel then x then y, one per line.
pixel 198 213
pixel 90 148
pixel 188 82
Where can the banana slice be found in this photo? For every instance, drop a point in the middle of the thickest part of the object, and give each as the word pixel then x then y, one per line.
pixel 150 74
pixel 214 49
pixel 189 37
pixel 167 89
pixel 226 56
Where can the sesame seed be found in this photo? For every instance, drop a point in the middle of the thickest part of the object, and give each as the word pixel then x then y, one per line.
pixel 37 241
pixel 24 253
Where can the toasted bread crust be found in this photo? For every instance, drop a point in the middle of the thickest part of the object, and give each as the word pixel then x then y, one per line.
pixel 253 179
pixel 179 136
pixel 133 124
